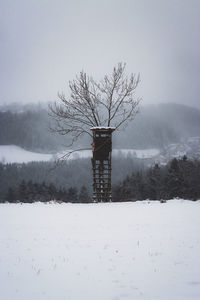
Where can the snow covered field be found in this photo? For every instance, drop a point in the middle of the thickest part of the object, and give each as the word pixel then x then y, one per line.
pixel 142 250
pixel 15 154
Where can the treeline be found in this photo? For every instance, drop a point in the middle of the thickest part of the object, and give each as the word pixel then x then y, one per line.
pixel 179 178
pixel 72 173
pixel 29 192
pixel 72 181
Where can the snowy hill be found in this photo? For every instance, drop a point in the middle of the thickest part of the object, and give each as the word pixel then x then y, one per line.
pixel 189 147
pixel 15 154
pixel 114 251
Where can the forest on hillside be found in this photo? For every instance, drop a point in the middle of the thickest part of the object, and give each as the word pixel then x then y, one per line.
pixel 155 126
pixel 179 178
pixel 72 173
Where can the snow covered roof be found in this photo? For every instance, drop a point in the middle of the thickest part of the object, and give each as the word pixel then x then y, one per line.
pixel 103 128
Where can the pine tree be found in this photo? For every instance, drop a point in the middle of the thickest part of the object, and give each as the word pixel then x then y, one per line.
pixel 22 192
pixel 72 195
pixel 174 180
pixel 83 195
pixel 10 195
pixel 139 187
pixel 52 191
pixel 155 183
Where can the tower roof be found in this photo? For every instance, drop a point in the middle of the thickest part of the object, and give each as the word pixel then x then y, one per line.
pixel 100 128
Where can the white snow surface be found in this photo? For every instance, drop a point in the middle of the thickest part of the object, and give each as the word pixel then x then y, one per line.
pixel 15 154
pixel 145 153
pixel 115 251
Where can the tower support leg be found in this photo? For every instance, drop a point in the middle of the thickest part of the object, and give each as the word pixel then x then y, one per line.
pixel 102 180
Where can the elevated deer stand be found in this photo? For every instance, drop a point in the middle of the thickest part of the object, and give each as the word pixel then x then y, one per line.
pixel 101 163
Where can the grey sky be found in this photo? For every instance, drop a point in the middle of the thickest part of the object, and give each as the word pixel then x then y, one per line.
pixel 44 43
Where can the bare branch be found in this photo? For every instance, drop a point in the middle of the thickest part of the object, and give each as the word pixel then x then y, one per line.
pixel 109 102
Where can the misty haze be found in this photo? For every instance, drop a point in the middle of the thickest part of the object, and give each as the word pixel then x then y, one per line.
pixel 99 149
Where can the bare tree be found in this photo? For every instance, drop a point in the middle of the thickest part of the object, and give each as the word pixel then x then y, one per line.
pixel 108 103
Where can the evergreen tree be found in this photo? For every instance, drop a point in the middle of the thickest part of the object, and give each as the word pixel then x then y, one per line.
pixel 72 195
pixel 52 191
pixel 117 193
pixel 83 195
pixel 139 186
pixel 10 195
pixel 174 180
pixel 22 192
pixel 154 183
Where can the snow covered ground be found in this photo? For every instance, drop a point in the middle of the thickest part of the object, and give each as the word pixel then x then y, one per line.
pixel 143 153
pixel 15 154
pixel 114 251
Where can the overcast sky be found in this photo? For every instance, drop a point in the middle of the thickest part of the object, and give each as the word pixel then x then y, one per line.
pixel 45 43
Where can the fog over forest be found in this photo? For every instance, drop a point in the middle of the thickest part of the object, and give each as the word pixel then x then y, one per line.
pixel 155 126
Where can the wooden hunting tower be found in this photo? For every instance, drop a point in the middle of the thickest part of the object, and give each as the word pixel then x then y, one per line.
pixel 101 163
